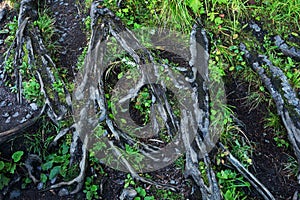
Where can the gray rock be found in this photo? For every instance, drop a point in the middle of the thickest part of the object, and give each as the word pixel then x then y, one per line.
pixel 128 194
pixel 9 104
pixel 15 194
pixel 40 185
pixel 23 120
pixel 5 115
pixel 28 116
pixel 3 104
pixel 1 42
pixel 16 114
pixel 8 120
pixel 63 192
pixel 33 106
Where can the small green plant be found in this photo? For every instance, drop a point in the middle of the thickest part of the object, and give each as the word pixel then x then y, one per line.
pixel 91 190
pixel 87 23
pixel 11 28
pixel 129 181
pixel 167 194
pixel 274 123
pixel 143 103
pixel 141 192
pixel 57 164
pixel 230 183
pixel 45 24
pixel 133 153
pixel 31 90
pixel 9 167
pixel 179 162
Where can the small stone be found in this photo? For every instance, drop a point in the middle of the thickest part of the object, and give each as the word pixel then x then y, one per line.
pixel 172 182
pixel 16 114
pixel 33 106
pixel 5 115
pixel 66 4
pixel 53 180
pixel 8 120
pixel 61 40
pixel 3 104
pixel 9 104
pixel 1 42
pixel 23 120
pixel 28 116
pixel 63 192
pixel 15 194
pixel 128 193
pixel 40 185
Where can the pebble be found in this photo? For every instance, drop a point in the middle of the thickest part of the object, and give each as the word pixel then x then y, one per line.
pixel 10 104
pixel 16 114
pixel 23 120
pixel 63 192
pixel 1 42
pixel 172 182
pixel 8 120
pixel 5 115
pixel 33 106
pixel 128 193
pixel 40 185
pixel 15 194
pixel 28 116
pixel 53 180
pixel 3 104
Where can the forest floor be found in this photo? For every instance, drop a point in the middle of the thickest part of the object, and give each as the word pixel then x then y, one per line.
pixel 268 160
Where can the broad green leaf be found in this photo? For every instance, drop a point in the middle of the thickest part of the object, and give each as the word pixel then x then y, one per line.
pixel 48 165
pixel 17 156
pixel 195 5
pixel 1 165
pixel 54 172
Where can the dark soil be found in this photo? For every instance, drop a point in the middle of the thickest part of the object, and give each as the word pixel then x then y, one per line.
pixel 12 114
pixel 268 158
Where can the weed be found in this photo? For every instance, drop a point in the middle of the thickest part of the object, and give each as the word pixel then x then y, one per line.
pixel 31 91
pixel 141 192
pixel 91 190
pixel 11 28
pixel 142 103
pixel 273 122
pixel 230 182
pixel 57 164
pixel 9 167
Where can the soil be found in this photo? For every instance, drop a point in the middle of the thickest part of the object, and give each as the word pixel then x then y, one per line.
pixel 268 159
